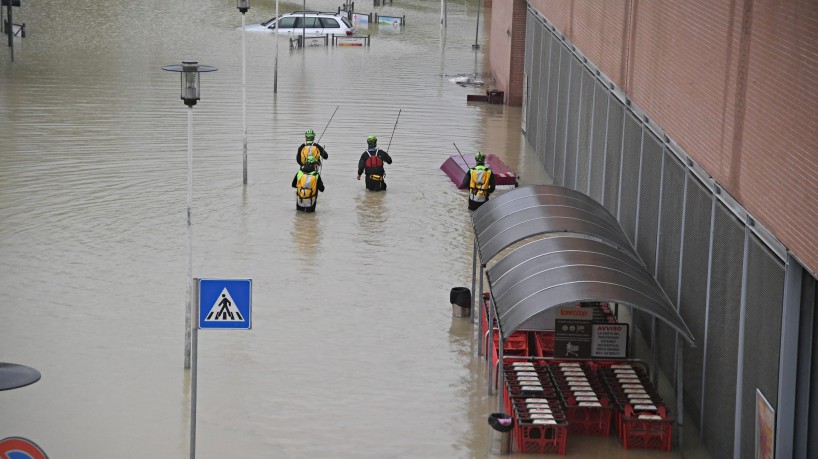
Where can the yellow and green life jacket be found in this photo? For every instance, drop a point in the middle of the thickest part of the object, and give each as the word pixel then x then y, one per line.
pixel 310 150
pixel 479 183
pixel 306 189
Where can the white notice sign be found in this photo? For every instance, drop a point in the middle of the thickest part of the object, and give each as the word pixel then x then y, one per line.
pixel 609 341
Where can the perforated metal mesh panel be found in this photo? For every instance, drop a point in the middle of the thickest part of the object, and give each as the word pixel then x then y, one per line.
pixel 762 336
pixel 562 112
pixel 600 121
pixel 550 125
pixel 631 150
pixel 543 82
pixel 584 131
pixel 722 334
pixel 649 195
pixel 667 259
pixel 694 293
pixel 572 123
pixel 533 56
pixel 613 157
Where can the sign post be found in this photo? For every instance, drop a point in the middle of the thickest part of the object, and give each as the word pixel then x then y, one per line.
pixel 220 303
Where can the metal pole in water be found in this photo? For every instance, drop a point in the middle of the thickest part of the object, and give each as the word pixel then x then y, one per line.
pixel 477 27
pixel 275 72
pixel 194 380
pixel 244 98
pixel 189 233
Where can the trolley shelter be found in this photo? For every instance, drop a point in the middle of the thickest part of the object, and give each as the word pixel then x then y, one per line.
pixel 584 256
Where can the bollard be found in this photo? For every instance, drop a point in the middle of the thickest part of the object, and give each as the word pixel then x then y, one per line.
pixel 501 425
pixel 460 297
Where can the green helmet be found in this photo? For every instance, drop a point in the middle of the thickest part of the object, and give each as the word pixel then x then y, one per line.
pixel 310 135
pixel 311 160
pixel 480 157
pixel 372 141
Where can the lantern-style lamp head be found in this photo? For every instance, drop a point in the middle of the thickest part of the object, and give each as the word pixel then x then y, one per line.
pixel 243 5
pixel 190 71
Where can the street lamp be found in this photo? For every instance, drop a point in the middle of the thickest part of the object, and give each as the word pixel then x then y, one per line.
pixel 190 94
pixel 243 6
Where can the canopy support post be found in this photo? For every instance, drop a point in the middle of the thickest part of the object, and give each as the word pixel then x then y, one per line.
pixel 680 405
pixel 489 343
pixel 654 358
pixel 473 270
pixel 500 379
pixel 479 295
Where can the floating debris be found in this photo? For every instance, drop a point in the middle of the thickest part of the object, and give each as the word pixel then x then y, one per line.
pixel 466 80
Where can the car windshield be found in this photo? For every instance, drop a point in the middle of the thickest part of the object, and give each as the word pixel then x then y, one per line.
pixel 268 22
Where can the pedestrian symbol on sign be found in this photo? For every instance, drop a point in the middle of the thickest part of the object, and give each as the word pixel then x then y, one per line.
pixel 224 309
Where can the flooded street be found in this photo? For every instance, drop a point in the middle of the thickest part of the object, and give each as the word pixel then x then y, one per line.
pixel 353 352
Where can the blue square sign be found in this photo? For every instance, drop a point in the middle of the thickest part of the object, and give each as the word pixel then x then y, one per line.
pixel 225 303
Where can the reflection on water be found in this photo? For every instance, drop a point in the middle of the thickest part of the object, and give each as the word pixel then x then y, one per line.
pixel 372 216
pixel 306 234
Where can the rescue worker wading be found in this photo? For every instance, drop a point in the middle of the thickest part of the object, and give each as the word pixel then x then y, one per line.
pixel 480 181
pixel 309 148
pixel 307 183
pixel 371 164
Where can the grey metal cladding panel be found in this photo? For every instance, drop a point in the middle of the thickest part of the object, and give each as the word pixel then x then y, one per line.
pixel 550 126
pixel 543 81
pixel 667 260
pixel 584 131
pixel 562 113
pixel 631 151
pixel 572 123
pixel 693 299
pixel 666 343
pixel 533 57
pixel 597 157
pixel 613 156
pixel 722 333
pixel 532 33
pixel 762 335
pixel 649 196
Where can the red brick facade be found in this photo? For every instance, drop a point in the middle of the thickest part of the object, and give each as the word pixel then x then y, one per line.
pixel 735 84
pixel 507 48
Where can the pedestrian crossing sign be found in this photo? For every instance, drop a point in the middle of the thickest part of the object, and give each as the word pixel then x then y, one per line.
pixel 225 303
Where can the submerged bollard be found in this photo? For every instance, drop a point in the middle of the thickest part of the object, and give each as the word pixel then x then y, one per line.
pixel 460 297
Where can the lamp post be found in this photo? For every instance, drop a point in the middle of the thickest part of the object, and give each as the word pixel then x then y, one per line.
pixel 243 6
pixel 477 27
pixel 189 72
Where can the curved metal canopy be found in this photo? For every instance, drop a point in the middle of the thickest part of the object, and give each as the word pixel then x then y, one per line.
pixel 590 260
pixel 530 211
pixel 562 271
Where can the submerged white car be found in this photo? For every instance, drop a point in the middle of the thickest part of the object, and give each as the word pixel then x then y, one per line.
pixel 309 22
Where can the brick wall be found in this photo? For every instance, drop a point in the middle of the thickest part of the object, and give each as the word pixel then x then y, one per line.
pixel 500 44
pixel 507 48
pixel 733 83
